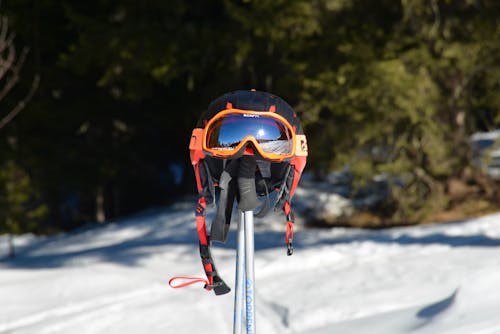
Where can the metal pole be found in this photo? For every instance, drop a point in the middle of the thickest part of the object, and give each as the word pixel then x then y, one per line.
pixel 249 272
pixel 239 293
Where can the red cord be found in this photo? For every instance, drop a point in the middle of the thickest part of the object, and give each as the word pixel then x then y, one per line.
pixel 188 281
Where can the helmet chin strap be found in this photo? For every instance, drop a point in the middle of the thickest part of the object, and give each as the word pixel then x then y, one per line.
pixel 248 200
pixel 244 168
pixel 239 179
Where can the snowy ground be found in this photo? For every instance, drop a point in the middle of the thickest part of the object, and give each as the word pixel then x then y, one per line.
pixel 113 279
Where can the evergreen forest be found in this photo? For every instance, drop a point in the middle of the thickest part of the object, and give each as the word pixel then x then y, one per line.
pixel 98 99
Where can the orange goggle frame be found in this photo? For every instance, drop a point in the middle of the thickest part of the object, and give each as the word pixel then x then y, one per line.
pixel 198 145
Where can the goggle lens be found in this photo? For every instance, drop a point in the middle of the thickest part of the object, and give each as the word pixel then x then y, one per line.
pixel 228 132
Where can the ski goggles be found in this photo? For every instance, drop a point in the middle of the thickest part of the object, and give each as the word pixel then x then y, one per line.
pixel 229 132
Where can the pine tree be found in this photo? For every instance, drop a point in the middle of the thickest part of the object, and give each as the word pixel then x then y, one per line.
pixel 20 208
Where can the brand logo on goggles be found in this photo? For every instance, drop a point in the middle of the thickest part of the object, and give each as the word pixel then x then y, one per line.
pixel 251 116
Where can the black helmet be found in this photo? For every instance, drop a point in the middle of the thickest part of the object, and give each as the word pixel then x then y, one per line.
pixel 238 128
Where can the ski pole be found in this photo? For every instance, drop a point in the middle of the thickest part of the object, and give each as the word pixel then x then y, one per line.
pixel 249 273
pixel 239 293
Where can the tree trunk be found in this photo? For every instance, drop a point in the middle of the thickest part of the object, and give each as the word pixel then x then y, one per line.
pixel 100 213
pixel 12 250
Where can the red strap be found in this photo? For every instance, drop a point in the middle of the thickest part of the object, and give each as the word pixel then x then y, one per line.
pixel 213 281
pixel 186 281
pixel 289 227
pixel 289 233
pixel 202 234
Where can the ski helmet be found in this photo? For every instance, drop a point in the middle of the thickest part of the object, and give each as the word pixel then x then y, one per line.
pixel 238 125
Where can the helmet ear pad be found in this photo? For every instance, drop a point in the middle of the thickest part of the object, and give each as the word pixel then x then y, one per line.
pixel 279 171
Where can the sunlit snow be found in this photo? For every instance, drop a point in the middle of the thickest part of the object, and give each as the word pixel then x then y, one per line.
pixel 434 278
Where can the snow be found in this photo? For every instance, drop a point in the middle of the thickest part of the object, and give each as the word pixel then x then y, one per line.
pixel 490 135
pixel 433 278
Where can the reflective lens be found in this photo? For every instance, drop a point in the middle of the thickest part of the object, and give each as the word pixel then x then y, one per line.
pixel 228 132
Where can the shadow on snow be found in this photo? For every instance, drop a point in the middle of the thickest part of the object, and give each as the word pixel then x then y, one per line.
pixel 427 314
pixel 168 227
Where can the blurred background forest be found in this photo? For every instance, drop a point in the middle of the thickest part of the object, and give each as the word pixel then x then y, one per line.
pixel 98 101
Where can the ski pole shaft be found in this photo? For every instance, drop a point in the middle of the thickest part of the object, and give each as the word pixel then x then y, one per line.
pixel 239 293
pixel 249 272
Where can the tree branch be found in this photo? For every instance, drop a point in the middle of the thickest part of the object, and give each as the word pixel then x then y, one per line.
pixel 10 67
pixel 21 104
pixel 14 78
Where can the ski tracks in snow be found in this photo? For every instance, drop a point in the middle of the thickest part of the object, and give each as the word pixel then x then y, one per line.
pixel 55 320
